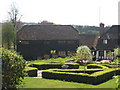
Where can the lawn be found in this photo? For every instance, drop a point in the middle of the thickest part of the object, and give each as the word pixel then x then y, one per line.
pixel 53 60
pixel 31 82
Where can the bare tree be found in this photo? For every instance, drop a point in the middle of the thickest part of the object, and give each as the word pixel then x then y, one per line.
pixel 15 16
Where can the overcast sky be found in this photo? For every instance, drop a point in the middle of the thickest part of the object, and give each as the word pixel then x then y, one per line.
pixel 73 12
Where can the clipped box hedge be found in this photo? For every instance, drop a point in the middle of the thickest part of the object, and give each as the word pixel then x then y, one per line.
pixel 88 71
pixel 95 78
pixel 109 65
pixel 43 66
pixel 32 71
pixel 92 66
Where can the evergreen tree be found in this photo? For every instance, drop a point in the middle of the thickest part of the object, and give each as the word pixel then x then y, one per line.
pixel 8 35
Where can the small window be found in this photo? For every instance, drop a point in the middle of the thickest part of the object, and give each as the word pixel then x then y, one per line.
pixel 105 41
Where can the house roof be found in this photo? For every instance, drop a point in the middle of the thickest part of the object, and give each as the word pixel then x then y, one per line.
pixel 112 33
pixel 113 38
pixel 48 32
pixel 89 40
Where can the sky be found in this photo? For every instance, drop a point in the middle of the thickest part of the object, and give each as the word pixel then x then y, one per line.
pixel 65 12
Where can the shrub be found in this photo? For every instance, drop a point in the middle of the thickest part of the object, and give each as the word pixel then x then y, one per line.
pixel 84 53
pixel 12 68
pixel 32 72
pixel 46 56
pixel 117 51
pixel 92 62
pixel 105 62
pixel 53 60
pixel 8 35
pixel 95 78
pixel 117 82
pixel 113 63
pixel 88 71
pixel 79 62
pixel 90 66
pixel 42 66
pixel 109 66
pixel 117 61
pixel 67 76
pixel 64 66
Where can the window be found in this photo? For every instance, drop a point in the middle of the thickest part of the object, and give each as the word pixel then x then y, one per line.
pixel 105 41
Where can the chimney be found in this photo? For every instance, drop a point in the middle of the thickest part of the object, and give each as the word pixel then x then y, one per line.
pixel 101 29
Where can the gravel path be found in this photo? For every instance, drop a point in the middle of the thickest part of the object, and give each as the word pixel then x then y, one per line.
pixel 39 74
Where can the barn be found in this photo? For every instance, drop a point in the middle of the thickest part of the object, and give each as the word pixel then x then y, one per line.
pixel 45 41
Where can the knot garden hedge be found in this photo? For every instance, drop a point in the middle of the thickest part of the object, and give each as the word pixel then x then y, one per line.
pixel 94 74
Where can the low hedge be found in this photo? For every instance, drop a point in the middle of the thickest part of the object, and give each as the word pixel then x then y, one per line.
pixel 32 71
pixel 43 66
pixel 91 66
pixel 110 66
pixel 88 71
pixel 95 78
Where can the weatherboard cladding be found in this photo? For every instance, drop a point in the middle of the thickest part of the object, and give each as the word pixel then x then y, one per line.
pixel 48 32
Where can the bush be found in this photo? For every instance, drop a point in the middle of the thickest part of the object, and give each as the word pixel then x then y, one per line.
pixel 32 72
pixel 113 63
pixel 92 62
pixel 12 68
pixel 90 66
pixel 95 78
pixel 84 53
pixel 57 60
pixel 105 62
pixel 117 82
pixel 79 62
pixel 64 66
pixel 117 61
pixel 67 76
pixel 43 66
pixel 88 71
pixel 109 66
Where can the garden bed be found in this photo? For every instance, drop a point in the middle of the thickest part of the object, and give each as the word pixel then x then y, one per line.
pixel 43 66
pixel 88 71
pixel 93 66
pixel 31 71
pixel 95 78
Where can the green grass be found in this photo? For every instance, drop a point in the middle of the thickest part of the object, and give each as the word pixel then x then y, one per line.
pixel 52 60
pixel 81 67
pixel 31 82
